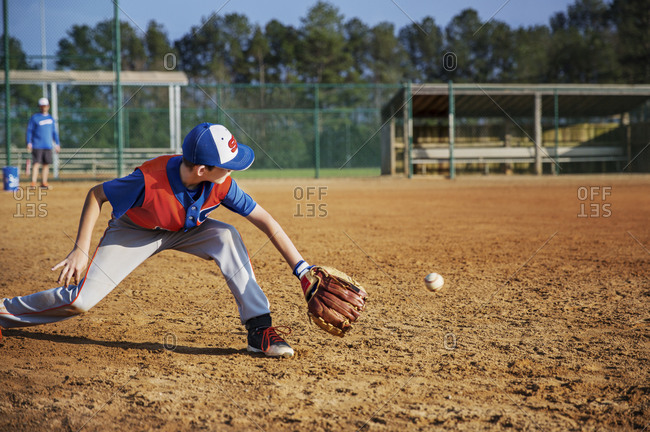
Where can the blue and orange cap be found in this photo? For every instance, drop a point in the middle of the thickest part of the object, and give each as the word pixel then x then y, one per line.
pixel 214 145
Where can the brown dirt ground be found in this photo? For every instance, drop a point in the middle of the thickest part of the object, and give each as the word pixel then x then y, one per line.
pixel 542 323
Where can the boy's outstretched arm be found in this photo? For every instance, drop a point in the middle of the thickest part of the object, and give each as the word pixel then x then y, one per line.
pixel 265 222
pixel 75 263
pixel 334 300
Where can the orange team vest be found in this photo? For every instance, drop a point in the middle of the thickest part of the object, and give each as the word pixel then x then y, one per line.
pixel 161 209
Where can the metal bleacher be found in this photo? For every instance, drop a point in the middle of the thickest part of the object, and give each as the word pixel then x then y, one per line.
pixel 90 162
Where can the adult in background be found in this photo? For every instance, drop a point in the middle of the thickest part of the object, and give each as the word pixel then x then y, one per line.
pixel 41 138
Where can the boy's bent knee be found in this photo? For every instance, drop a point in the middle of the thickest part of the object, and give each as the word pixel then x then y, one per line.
pixel 78 308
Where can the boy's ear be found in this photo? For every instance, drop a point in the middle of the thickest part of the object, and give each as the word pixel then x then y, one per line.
pixel 200 170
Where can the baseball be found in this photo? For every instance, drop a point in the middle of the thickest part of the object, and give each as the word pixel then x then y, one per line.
pixel 434 281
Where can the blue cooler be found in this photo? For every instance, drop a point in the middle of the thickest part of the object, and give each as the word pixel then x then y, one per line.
pixel 10 178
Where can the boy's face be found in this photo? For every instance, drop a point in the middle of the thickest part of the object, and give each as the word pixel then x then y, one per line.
pixel 44 108
pixel 217 175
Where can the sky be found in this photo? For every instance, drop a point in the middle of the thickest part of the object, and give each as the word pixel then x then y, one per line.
pixel 178 17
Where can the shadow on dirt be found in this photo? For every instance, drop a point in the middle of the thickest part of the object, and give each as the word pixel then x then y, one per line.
pixel 148 346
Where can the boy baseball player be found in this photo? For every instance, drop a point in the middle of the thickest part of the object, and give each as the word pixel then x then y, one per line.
pixel 164 204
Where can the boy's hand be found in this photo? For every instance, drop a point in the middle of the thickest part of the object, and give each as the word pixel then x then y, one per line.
pixel 73 266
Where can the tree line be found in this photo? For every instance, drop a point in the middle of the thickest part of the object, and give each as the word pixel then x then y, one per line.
pixel 593 41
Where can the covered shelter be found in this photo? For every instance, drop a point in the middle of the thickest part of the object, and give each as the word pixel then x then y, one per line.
pixel 173 80
pixel 519 105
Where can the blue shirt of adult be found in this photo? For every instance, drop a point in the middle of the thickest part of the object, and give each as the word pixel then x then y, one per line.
pixel 41 131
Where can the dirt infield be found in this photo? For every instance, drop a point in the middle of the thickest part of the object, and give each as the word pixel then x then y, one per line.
pixel 542 324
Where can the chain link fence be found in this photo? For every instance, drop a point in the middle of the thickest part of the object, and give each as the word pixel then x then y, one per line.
pixel 295 130
pixel 306 130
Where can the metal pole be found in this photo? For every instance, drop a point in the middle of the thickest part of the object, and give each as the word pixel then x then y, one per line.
pixel 538 133
pixel 409 146
pixel 43 50
pixel 391 143
pixel 54 103
pixel 405 131
pixel 5 15
pixel 452 131
pixel 172 118
pixel 118 90
pixel 557 131
pixel 219 108
pixel 177 113
pixel 125 131
pixel 316 132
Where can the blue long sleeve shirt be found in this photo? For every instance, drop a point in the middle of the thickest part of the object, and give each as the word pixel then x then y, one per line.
pixel 128 192
pixel 41 131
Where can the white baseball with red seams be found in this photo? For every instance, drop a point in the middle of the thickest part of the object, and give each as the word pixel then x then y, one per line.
pixel 434 281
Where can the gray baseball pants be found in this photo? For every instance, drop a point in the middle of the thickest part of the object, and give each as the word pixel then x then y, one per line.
pixel 124 247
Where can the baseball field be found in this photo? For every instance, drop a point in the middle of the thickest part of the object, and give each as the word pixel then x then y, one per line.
pixel 543 322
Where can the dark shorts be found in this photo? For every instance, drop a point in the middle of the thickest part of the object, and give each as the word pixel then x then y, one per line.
pixel 42 156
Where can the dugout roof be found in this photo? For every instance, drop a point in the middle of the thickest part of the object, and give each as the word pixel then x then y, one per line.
pixel 171 79
pixel 517 100
pixel 133 78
